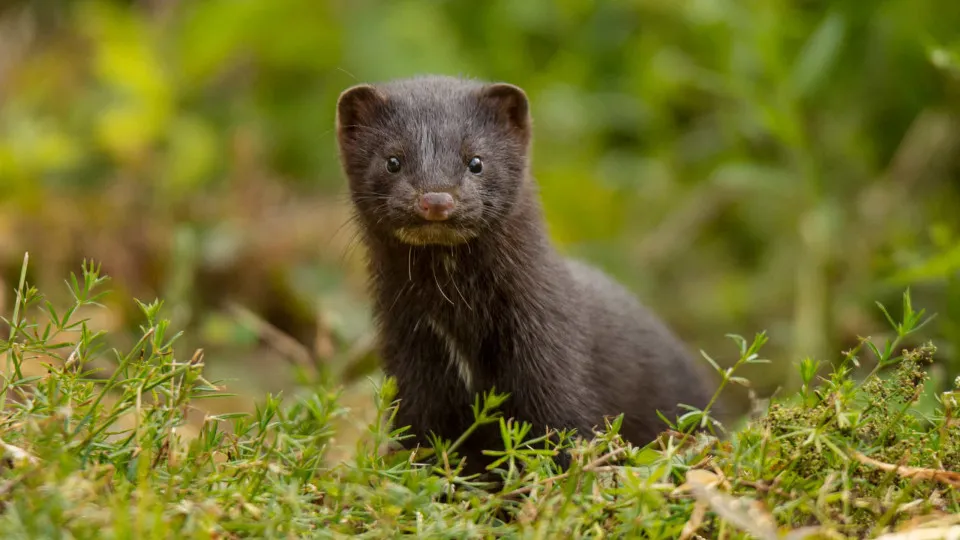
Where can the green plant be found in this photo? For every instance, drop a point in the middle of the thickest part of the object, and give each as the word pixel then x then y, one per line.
pixel 93 448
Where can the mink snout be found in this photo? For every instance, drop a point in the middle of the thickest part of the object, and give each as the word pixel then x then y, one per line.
pixel 436 206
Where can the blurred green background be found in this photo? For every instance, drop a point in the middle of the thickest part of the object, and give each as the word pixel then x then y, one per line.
pixel 746 165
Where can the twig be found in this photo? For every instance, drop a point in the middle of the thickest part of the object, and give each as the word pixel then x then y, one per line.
pixel 764 487
pixel 932 533
pixel 701 207
pixel 287 346
pixel 695 521
pixel 938 475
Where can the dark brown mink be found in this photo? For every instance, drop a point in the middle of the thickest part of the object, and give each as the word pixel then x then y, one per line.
pixel 469 293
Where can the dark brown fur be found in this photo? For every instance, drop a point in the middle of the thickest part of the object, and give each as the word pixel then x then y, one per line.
pixel 568 343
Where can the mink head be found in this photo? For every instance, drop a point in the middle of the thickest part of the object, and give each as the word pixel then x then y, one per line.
pixel 433 161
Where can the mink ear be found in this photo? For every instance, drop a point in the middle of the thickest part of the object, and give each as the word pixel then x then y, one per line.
pixel 357 106
pixel 510 105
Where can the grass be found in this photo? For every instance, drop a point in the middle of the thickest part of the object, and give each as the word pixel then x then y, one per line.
pixel 95 448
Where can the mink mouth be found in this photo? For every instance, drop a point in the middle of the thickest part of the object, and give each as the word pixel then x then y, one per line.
pixel 426 234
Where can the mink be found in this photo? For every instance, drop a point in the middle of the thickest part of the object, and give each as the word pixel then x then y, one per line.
pixel 468 291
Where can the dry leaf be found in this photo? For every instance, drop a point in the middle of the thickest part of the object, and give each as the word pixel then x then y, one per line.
pixel 699 477
pixel 745 514
pixel 17 455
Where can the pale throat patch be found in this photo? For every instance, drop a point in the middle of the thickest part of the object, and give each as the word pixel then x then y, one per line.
pixel 456 358
pixel 433 234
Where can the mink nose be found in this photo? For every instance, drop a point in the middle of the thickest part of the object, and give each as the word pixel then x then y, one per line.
pixel 436 206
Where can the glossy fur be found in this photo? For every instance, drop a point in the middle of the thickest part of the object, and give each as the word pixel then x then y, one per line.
pixel 485 300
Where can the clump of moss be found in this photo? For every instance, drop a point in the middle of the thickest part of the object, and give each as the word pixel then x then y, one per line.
pixel 839 455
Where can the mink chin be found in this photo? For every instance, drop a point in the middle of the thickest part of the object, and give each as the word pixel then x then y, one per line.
pixel 426 235
pixel 469 293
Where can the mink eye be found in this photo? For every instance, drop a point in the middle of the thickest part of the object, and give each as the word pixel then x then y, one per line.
pixel 393 164
pixel 475 165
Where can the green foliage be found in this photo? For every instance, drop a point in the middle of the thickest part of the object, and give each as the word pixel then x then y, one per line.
pixel 774 164
pixel 104 456
pixel 95 452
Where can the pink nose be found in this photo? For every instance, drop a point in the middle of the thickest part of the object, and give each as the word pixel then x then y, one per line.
pixel 436 206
